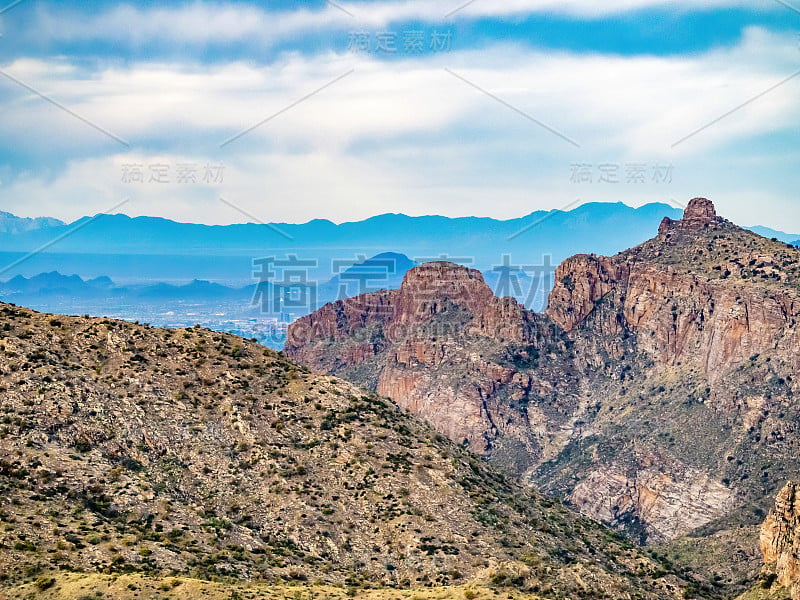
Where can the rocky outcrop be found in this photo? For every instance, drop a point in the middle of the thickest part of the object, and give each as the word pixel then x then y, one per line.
pixel 780 540
pixel 700 214
pixel 656 502
pixel 679 317
pixel 419 333
pixel 580 282
pixel 427 291
pixel 682 348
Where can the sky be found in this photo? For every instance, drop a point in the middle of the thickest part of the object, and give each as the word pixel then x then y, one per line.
pixel 226 112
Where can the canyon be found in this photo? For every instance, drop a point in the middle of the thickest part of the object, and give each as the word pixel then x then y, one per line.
pixel 654 393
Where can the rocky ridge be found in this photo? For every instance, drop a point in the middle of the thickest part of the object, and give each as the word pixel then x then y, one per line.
pixel 125 448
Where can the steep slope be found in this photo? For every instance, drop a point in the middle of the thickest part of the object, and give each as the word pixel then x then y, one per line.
pixel 780 542
pixel 125 448
pixel 780 546
pixel 654 394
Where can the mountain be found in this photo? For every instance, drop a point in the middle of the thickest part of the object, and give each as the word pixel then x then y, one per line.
pixel 655 393
pixel 321 248
pixel 48 287
pixel 54 283
pixel 780 545
pixel 11 224
pixel 195 290
pixel 74 295
pixel 767 232
pixel 383 271
pixel 137 251
pixel 393 232
pixel 141 250
pixel 129 449
pixel 600 227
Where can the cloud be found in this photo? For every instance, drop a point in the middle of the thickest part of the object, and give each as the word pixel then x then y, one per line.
pixel 220 23
pixel 401 135
pixel 640 103
pixel 197 23
pixel 588 9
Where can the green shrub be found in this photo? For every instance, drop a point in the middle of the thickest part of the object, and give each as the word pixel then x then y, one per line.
pixel 44 583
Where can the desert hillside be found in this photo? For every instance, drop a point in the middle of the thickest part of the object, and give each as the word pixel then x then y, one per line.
pixel 129 449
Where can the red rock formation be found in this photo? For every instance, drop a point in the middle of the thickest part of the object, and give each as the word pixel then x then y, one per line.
pixel 780 539
pixel 699 214
pixel 580 282
pixel 421 327
pixel 427 290
pixel 680 316
pixel 678 323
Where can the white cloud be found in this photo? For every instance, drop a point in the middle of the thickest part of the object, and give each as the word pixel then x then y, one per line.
pixel 402 135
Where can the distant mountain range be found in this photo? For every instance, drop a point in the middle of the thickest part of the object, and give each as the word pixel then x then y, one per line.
pixel 128 249
pixel 55 284
pixel 252 311
pixel 774 234
pixel 383 271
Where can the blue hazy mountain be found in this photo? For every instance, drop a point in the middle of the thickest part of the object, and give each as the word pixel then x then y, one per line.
pixel 54 283
pixel 196 290
pixel 15 225
pixel 142 249
pixel 150 249
pixel 254 310
pixel 384 271
pixel 773 233
pixel 601 227
pixel 71 293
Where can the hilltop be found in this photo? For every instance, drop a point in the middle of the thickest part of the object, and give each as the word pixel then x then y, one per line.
pixel 189 453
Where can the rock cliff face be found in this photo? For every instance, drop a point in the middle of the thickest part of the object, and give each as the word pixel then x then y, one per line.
pixel 655 393
pixel 780 540
pixel 405 338
pixel 679 313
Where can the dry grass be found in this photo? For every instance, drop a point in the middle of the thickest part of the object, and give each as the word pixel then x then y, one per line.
pixel 76 586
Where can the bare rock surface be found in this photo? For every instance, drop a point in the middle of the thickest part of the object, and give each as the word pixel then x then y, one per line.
pixel 780 540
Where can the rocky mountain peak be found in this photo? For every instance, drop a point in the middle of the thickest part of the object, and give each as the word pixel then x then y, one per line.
pixel 429 288
pixel 441 267
pixel 442 279
pixel 438 298
pixel 700 209
pixel 700 214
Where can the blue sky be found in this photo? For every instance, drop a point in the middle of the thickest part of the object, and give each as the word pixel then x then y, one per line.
pixel 347 110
